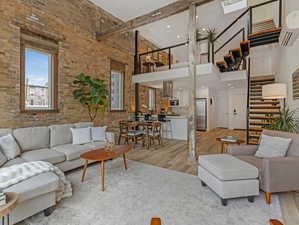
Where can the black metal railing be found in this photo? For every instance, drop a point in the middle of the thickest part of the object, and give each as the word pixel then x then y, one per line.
pixel 249 13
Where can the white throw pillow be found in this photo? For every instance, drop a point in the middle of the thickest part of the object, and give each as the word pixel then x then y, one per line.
pixel 99 133
pixel 9 147
pixel 273 147
pixel 81 135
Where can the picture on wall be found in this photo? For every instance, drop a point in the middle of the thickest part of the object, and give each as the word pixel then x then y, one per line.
pixel 295 77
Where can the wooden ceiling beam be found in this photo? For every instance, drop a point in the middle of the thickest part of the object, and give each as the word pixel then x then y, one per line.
pixel 156 15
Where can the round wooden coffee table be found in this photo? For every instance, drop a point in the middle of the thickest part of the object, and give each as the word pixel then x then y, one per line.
pixel 11 199
pixel 101 155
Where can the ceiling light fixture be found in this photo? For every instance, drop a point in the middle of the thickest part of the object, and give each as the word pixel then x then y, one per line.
pixel 178 36
pixel 168 26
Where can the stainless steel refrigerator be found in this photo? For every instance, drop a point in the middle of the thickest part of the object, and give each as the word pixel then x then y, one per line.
pixel 201 114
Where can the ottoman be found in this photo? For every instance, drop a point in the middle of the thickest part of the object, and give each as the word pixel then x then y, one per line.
pixel 228 177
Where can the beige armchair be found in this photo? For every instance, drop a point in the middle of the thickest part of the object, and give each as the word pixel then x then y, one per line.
pixel 276 174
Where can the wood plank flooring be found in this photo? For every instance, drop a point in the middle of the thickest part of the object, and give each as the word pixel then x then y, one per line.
pixel 173 155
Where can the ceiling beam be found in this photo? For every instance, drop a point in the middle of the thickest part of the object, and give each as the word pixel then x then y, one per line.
pixel 156 15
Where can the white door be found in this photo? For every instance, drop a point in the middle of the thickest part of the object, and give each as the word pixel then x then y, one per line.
pixel 237 111
pixel 222 111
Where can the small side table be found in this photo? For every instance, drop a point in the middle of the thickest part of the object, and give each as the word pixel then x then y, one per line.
pixel 224 144
pixel 5 210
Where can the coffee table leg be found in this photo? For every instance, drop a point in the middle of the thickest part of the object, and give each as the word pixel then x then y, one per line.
pixel 103 175
pixel 84 170
pixel 125 161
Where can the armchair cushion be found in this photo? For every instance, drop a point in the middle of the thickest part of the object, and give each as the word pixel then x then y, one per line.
pixel 273 147
pixel 242 149
pixel 280 174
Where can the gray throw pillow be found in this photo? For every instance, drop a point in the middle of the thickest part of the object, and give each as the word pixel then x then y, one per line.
pixel 9 147
pixel 271 147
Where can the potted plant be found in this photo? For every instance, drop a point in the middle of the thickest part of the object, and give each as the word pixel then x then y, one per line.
pixel 92 93
pixel 285 122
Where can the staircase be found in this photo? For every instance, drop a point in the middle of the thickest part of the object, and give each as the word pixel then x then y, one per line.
pixel 234 59
pixel 260 109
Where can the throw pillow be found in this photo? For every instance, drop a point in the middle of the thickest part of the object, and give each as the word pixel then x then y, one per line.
pixel 9 147
pixel 273 147
pixel 81 135
pixel 99 133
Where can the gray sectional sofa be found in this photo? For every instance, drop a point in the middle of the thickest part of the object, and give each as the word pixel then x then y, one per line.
pixel 52 144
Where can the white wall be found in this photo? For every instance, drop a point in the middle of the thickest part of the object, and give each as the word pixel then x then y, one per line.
pixel 289 59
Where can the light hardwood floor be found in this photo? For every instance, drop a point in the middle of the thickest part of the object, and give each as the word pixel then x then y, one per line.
pixel 173 155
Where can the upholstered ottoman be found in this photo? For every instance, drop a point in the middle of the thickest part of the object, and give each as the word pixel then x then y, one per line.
pixel 229 177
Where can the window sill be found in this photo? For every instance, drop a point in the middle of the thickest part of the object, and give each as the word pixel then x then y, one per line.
pixel 34 111
pixel 120 110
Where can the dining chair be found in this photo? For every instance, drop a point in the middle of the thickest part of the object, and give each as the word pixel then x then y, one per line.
pixel 135 134
pixel 155 133
pixel 123 132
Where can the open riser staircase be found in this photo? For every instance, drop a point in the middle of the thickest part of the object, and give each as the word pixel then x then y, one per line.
pixel 260 110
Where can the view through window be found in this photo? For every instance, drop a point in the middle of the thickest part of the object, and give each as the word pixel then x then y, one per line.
pixel 38 79
pixel 117 91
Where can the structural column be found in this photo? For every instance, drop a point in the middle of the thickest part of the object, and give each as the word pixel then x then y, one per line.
pixel 192 79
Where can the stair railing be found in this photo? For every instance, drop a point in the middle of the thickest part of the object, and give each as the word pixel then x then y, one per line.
pixel 248 12
pixel 248 99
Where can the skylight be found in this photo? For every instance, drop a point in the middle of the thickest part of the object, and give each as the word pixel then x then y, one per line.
pixel 233 5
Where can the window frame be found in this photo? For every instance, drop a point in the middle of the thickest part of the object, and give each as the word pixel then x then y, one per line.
pixel 42 47
pixel 118 67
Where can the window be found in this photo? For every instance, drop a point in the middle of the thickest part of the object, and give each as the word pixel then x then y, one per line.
pixel 117 91
pixel 38 74
pixel 152 99
pixel 233 5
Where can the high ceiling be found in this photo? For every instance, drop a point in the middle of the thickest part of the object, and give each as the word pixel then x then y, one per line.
pixel 129 9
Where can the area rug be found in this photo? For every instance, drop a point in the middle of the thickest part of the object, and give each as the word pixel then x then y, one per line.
pixel 134 196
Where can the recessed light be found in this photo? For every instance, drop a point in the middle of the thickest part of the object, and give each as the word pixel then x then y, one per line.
pixel 168 26
pixel 229 84
pixel 178 36
pixel 204 29
pixel 196 17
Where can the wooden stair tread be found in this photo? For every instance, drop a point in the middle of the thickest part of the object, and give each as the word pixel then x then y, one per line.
pixel 265 32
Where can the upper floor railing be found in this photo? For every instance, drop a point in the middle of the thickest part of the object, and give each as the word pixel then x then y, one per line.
pixel 162 59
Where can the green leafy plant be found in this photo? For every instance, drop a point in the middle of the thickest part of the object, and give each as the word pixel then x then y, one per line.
pixel 91 93
pixel 285 122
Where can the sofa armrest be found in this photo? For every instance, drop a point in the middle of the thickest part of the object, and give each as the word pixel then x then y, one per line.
pixel 110 137
pixel 280 174
pixel 242 149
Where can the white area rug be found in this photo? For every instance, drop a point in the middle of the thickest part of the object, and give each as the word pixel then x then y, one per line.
pixel 133 197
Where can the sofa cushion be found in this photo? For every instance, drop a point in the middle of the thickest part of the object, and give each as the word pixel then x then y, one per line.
pixel 270 147
pixel 48 155
pixel 83 124
pixel 32 138
pixel 71 151
pixel 81 135
pixel 228 168
pixel 35 186
pixel 3 158
pixel 9 147
pixel 96 145
pixel 4 132
pixel 60 134
pixel 293 148
pixel 15 161
pixel 98 133
pixel 257 162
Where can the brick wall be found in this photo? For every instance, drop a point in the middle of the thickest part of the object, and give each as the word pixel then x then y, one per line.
pixel 75 21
